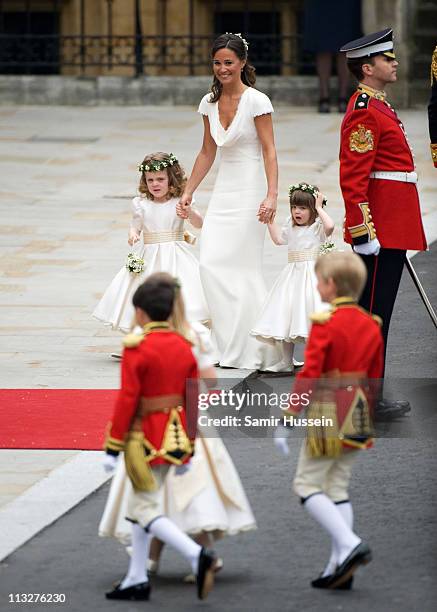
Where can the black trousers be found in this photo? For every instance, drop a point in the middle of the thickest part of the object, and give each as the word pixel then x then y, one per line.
pixel 384 272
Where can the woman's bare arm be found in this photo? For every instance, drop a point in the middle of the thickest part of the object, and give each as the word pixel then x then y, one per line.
pixel 264 128
pixel 201 167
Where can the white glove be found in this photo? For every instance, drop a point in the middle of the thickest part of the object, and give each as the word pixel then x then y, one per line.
pixel 280 439
pixel 180 470
pixel 110 463
pixel 368 248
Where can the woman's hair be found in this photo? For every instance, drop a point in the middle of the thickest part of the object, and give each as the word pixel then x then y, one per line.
pixel 356 66
pixel 175 173
pixel 236 44
pixel 304 198
pixel 156 296
pixel 346 269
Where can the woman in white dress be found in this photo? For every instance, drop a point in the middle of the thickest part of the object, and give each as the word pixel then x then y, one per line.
pixel 165 245
pixel 208 501
pixel 237 120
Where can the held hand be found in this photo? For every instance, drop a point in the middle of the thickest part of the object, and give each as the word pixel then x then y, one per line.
pixel 133 238
pixel 180 470
pixel 368 248
pixel 267 210
pixel 183 206
pixel 319 200
pixel 280 439
pixel 109 463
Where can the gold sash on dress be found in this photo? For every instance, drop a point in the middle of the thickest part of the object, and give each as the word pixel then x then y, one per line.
pixel 304 255
pixel 168 236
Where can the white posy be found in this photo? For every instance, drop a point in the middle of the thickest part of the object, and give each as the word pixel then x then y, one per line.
pixel 368 248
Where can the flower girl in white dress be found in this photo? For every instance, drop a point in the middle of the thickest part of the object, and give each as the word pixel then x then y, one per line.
pixel 285 316
pixel 165 245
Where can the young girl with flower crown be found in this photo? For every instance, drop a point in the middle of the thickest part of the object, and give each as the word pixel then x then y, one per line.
pixel 166 246
pixel 284 318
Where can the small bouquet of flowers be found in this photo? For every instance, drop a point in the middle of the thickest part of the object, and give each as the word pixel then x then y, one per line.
pixel 134 263
pixel 327 247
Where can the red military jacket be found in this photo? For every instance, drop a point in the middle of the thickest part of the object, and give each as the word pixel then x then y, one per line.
pixel 345 343
pixel 158 364
pixel 373 139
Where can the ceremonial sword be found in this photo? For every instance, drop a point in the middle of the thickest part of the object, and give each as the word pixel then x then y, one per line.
pixel 422 292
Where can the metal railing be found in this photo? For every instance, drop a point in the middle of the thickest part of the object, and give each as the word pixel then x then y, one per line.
pixel 51 53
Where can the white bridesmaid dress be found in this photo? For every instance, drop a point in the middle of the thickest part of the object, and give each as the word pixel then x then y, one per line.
pixel 285 315
pixel 232 239
pixel 163 248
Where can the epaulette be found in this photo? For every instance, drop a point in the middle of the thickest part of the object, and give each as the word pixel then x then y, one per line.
pixel 133 340
pixel 321 317
pixel 377 319
pixel 434 67
pixel 362 101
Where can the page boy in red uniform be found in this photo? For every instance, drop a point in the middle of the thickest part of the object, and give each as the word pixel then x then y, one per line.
pixel 344 349
pixel 155 428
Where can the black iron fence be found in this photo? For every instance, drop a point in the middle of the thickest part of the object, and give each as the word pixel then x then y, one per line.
pixel 50 54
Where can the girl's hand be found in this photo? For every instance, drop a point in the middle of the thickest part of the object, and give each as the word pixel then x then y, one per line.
pixel 133 237
pixel 319 200
pixel 267 210
pixel 183 207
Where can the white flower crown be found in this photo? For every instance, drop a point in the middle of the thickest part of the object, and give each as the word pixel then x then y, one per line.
pixel 156 165
pixel 246 44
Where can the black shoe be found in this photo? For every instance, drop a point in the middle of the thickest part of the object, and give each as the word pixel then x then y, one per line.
pixel 387 410
pixel 323 582
pixel 135 592
pixel 324 106
pixel 205 573
pixel 342 105
pixel 361 555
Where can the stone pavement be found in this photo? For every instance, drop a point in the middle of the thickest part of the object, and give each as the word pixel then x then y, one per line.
pixel 68 175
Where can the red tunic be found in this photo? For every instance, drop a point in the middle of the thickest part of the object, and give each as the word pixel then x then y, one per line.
pixel 160 365
pixel 373 139
pixel 343 344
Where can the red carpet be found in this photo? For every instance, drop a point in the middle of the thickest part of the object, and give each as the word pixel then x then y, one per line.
pixel 56 418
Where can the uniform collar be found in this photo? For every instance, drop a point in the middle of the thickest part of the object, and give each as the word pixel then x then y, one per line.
pixel 343 301
pixel 373 93
pixel 156 326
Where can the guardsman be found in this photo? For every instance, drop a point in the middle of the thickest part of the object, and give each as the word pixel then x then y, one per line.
pixel 154 430
pixel 378 180
pixel 344 352
pixel 432 109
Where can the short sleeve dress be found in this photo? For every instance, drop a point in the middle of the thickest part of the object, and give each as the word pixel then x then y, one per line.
pixel 232 240
pixel 164 249
pixel 285 315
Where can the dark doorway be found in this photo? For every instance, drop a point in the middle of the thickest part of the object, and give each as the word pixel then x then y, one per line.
pixel 29 43
pixel 262 30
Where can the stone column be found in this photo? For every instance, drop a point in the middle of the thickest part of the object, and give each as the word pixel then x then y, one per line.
pixel 399 15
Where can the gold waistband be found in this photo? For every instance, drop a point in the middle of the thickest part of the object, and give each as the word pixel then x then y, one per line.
pixel 156 237
pixel 304 255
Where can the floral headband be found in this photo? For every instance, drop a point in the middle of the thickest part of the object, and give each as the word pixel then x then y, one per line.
pixel 308 189
pixel 245 43
pixel 156 165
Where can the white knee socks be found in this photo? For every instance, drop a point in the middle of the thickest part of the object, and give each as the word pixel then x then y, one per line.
pixel 345 509
pixel 136 572
pixel 164 529
pixel 327 514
